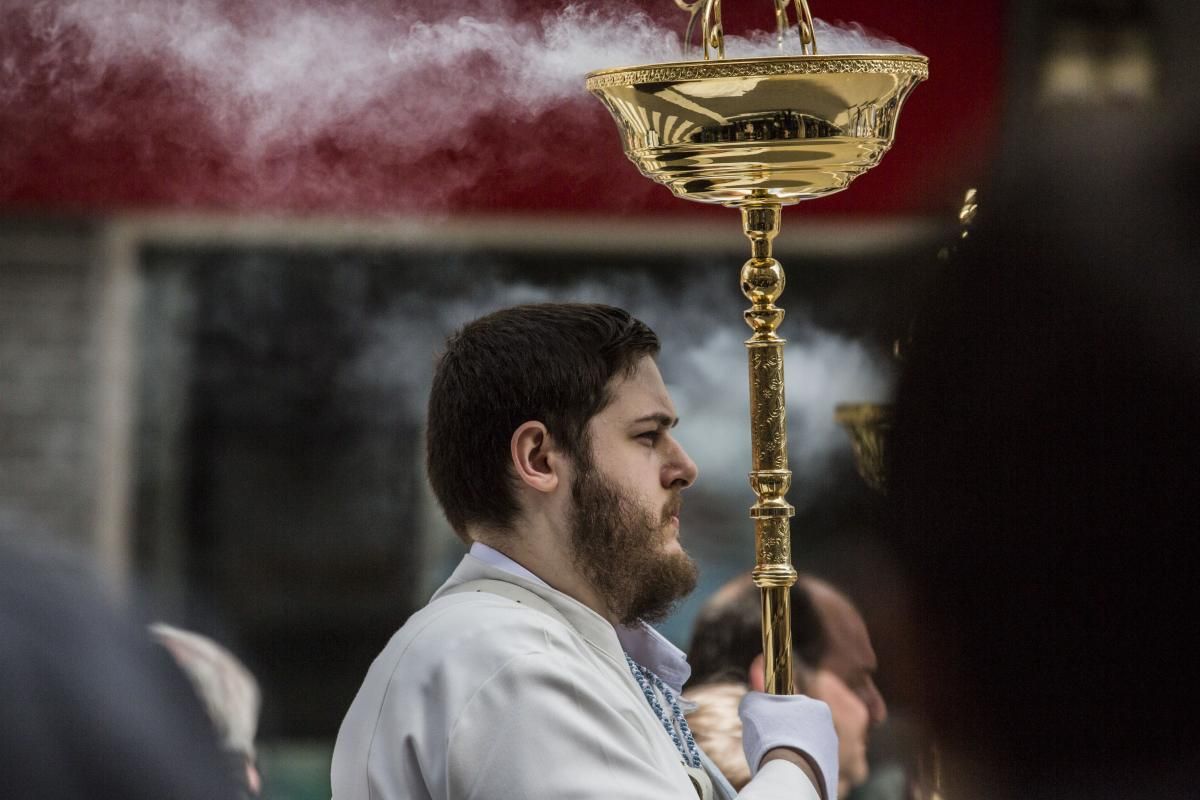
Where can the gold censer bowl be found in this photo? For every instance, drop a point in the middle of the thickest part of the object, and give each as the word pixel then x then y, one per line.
pixel 759 130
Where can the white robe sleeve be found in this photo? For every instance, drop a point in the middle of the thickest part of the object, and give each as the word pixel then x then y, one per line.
pixel 777 780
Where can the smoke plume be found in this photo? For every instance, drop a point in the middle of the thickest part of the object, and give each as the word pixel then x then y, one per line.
pixel 248 86
pixel 703 362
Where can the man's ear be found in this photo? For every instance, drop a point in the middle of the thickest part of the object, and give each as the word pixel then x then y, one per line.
pixel 537 462
pixel 756 676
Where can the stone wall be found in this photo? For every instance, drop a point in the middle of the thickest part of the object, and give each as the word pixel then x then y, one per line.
pixel 50 296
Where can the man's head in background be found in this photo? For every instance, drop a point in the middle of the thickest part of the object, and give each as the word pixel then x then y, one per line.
pixel 848 652
pixel 227 689
pixel 834 662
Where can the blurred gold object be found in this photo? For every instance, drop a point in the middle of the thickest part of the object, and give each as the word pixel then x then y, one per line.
pixel 969 210
pixel 928 785
pixel 868 425
pixel 759 134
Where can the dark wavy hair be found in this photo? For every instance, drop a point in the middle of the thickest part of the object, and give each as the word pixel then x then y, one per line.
pixel 549 362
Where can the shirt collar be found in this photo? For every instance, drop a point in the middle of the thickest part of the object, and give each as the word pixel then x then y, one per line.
pixel 643 643
pixel 494 558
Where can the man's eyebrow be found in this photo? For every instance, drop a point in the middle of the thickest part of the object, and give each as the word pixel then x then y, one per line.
pixel 665 420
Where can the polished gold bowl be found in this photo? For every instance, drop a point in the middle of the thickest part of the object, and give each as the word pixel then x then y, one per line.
pixel 759 131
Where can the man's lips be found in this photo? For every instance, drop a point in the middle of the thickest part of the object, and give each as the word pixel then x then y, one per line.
pixel 671 513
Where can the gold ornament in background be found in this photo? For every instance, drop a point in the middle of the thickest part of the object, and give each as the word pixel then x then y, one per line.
pixel 928 785
pixel 868 425
pixel 758 134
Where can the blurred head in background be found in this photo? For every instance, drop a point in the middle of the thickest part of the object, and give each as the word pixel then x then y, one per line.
pixel 91 707
pixel 833 661
pixel 229 692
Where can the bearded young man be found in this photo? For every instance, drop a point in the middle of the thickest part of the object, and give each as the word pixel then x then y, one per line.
pixel 533 673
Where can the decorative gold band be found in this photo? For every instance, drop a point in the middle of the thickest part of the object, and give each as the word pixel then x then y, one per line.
pixel 917 66
pixel 774 575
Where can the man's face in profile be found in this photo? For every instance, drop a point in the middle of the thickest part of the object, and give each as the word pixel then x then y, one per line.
pixel 851 721
pixel 626 500
pixel 850 655
pixel 845 681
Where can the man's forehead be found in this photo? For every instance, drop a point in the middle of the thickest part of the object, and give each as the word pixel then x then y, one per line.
pixel 849 637
pixel 849 642
pixel 641 396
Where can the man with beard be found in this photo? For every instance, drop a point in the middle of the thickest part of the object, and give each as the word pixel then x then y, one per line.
pixel 533 672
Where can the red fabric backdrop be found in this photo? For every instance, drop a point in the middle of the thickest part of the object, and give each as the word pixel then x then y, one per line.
pixel 130 137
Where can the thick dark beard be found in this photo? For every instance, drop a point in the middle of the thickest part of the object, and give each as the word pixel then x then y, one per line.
pixel 617 547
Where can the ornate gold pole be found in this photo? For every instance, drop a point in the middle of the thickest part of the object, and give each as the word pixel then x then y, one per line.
pixel 762 283
pixel 710 130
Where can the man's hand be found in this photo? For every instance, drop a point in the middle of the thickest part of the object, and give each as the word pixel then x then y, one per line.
pixel 795 728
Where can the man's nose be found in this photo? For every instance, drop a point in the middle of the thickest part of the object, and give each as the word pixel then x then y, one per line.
pixel 681 472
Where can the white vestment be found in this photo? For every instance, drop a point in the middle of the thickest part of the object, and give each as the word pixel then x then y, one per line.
pixel 485 697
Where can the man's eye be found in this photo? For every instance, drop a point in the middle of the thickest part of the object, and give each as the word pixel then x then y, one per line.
pixel 649 437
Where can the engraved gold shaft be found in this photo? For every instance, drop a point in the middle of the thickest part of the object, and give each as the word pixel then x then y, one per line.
pixel 763 282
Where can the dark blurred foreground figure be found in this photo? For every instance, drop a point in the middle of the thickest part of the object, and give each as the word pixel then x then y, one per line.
pixel 230 695
pixel 834 663
pixel 1047 461
pixel 91 708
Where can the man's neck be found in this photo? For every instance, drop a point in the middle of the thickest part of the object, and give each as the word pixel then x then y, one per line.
pixel 545 557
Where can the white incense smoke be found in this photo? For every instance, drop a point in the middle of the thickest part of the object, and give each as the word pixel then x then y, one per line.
pixel 703 362
pixel 257 82
pixel 280 71
pixel 833 39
